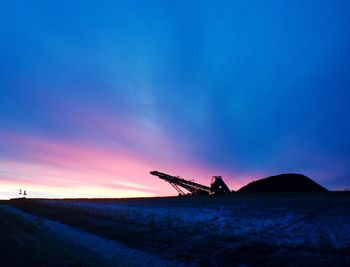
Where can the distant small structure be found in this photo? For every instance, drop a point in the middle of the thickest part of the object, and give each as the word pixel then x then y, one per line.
pixel 22 194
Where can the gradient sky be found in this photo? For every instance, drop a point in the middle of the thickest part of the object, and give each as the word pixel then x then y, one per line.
pixel 95 94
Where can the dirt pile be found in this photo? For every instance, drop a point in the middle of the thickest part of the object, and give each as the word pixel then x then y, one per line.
pixel 289 182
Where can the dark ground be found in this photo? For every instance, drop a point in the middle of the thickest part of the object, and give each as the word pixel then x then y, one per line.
pixel 22 244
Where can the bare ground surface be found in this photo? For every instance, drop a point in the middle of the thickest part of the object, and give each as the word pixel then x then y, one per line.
pixel 308 229
pixel 25 243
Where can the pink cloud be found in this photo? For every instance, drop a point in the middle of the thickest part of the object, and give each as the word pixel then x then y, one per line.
pixel 61 164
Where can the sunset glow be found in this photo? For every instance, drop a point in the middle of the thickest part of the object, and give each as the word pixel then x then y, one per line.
pixel 95 96
pixel 50 168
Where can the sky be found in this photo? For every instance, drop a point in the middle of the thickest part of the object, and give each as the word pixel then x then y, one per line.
pixel 95 94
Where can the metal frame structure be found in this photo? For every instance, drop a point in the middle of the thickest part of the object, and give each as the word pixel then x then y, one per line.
pixel 217 185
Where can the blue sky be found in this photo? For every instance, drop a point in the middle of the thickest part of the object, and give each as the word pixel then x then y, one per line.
pixel 240 88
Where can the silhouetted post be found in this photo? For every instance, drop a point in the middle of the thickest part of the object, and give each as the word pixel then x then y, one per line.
pixel 24 193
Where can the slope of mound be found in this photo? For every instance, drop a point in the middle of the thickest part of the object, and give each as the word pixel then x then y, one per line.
pixel 289 182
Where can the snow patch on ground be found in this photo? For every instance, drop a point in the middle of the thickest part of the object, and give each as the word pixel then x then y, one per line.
pixel 285 227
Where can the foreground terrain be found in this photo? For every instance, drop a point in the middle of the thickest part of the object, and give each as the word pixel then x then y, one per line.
pixel 310 229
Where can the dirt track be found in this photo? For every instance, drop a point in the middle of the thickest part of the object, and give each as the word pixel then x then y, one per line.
pixel 27 243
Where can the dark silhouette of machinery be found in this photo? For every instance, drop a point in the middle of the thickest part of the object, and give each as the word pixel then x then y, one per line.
pixel 217 185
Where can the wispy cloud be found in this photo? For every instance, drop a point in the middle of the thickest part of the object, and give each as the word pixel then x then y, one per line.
pixel 38 163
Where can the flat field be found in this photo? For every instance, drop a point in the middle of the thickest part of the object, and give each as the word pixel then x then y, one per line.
pixel 291 229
